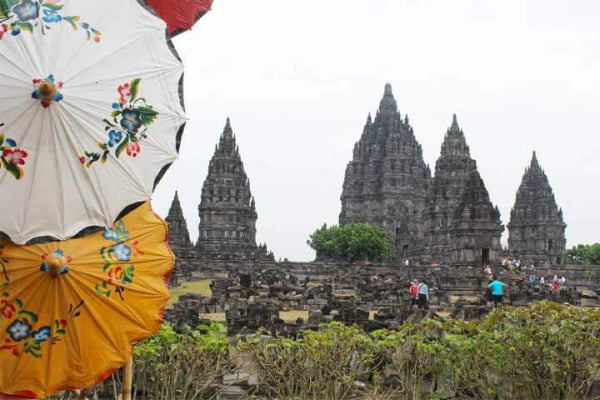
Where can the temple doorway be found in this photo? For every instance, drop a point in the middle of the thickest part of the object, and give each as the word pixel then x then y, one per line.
pixel 485 256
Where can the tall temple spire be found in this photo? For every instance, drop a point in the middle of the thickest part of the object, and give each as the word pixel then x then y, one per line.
pixel 455 143
pixel 454 171
pixel 534 168
pixel 454 127
pixel 227 210
pixel 386 181
pixel 387 105
pixel 536 231
pixel 179 237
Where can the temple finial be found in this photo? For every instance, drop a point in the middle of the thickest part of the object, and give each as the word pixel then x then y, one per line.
pixel 228 126
pixel 387 105
pixel 454 126
pixel 388 89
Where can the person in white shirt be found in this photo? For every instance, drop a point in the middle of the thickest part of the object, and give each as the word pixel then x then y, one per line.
pixel 423 292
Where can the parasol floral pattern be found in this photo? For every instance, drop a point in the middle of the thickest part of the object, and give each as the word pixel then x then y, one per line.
pixel 25 332
pixel 11 157
pixel 117 257
pixel 131 117
pixel 18 16
pixel 80 321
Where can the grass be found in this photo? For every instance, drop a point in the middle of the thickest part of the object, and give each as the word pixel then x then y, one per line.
pixel 214 317
pixel 290 317
pixel 198 287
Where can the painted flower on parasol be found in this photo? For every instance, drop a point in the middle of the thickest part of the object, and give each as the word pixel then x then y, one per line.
pixel 12 158
pixel 19 16
pixel 131 118
pixel 72 320
pixel 102 121
pixel 180 15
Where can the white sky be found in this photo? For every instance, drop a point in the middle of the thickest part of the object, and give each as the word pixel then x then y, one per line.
pixel 298 78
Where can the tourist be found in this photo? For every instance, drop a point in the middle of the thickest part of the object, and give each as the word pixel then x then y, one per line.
pixel 489 299
pixel 487 269
pixel 306 275
pixel 406 262
pixel 413 294
pixel 555 285
pixel 423 291
pixel 542 280
pixel 497 288
pixel 562 281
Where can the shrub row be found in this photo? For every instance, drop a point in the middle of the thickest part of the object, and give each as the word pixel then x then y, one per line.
pixel 545 351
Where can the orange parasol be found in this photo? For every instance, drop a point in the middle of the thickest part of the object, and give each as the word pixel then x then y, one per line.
pixel 70 311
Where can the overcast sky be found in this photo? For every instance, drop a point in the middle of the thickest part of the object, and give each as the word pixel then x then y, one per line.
pixel 299 78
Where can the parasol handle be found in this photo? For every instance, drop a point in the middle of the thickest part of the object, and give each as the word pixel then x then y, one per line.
pixel 128 379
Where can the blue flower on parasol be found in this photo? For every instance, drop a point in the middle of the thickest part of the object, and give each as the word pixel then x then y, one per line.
pixel 131 120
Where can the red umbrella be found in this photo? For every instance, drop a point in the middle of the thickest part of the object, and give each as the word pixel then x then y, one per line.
pixel 180 15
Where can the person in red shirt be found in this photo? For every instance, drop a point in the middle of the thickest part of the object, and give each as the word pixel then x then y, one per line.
pixel 412 294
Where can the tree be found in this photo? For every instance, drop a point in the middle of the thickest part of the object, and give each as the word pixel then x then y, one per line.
pixel 351 242
pixel 584 254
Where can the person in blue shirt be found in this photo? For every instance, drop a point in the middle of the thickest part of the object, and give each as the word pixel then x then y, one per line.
pixel 423 292
pixel 497 288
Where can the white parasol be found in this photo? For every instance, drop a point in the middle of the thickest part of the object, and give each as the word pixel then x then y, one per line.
pixel 90 113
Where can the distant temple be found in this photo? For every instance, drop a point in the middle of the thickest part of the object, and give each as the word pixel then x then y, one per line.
pixel 227 210
pixel 444 219
pixel 179 237
pixel 448 218
pixel 536 230
pixel 387 181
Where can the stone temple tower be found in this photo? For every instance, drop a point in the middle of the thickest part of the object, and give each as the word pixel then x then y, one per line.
pixel 452 172
pixel 179 237
pixel 536 232
pixel 387 180
pixel 461 224
pixel 227 210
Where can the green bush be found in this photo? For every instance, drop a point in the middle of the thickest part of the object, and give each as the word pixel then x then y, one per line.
pixel 186 365
pixel 322 365
pixel 543 352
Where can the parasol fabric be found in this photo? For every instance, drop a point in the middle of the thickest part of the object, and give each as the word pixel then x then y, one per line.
pixel 70 311
pixel 180 15
pixel 90 112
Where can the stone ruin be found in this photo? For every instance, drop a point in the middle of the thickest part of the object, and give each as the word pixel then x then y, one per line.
pixel 371 296
pixel 446 226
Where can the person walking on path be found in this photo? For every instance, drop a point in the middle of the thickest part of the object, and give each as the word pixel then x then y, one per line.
pixel 423 292
pixel 412 294
pixel 497 288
